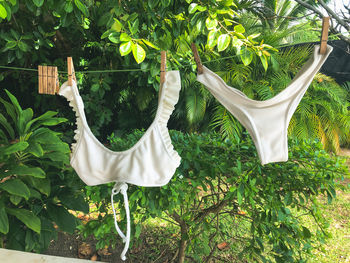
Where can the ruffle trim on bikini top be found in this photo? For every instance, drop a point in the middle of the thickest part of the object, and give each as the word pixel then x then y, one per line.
pixel 168 99
pixel 76 103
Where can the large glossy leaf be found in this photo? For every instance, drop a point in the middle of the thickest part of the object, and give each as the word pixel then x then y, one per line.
pixel 239 29
pixel 15 199
pixel 15 103
pixel 139 53
pixel 211 23
pixel 74 201
pixel 264 61
pixel 25 116
pixel 41 184
pixel 4 222
pixel 56 147
pixel 3 12
pixel 27 217
pixel 65 221
pixel 16 187
pixel 7 126
pixel 47 115
pixel 35 149
pixel 125 48
pixel 192 8
pixel 246 56
pixel 30 171
pixel 81 7
pixel 212 38
pixel 20 146
pixel 10 109
pixel 44 135
pixel 223 42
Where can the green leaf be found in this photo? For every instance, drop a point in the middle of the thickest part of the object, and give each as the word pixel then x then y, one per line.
pixel 117 26
pixel 81 7
pixel 4 222
pixel 38 3
pixel 239 29
pixel 17 147
pixel 46 116
pixel 16 187
pixel 15 199
pixel 27 217
pixel 223 42
pixel 211 23
pixel 10 44
pixel 23 119
pixel 264 61
pixel 7 126
pixel 68 7
pixel 10 109
pixel 74 201
pixel 150 44
pixel 3 12
pixel 28 171
pixel 192 8
pixel 139 53
pixel 14 102
pixel 65 221
pixel 125 48
pixel 124 37
pixel 306 232
pixel 113 38
pixel 23 46
pixel 41 184
pixel 212 38
pixel 246 56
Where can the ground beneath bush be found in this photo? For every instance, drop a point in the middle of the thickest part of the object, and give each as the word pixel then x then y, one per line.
pixel 155 244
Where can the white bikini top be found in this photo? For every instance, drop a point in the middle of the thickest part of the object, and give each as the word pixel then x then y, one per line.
pixel 152 161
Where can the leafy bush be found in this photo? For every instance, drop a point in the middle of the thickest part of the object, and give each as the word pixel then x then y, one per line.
pixel 36 185
pixel 221 193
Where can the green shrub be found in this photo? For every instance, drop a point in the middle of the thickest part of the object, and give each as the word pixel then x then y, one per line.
pixel 37 187
pixel 221 192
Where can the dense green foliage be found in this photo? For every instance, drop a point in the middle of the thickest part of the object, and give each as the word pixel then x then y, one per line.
pixel 36 184
pixel 112 35
pixel 221 192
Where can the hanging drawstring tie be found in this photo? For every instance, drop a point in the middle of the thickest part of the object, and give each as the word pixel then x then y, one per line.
pixel 122 188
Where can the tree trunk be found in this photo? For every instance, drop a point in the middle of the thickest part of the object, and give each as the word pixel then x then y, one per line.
pixel 182 250
pixel 183 242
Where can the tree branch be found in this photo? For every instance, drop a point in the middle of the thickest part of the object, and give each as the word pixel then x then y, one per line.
pixel 334 15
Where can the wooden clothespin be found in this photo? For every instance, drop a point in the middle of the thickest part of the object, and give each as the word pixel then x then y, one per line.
pixel 162 70
pixel 162 66
pixel 48 80
pixel 324 35
pixel 71 71
pixel 197 58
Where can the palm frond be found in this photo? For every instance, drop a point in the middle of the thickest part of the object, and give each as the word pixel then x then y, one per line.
pixel 228 125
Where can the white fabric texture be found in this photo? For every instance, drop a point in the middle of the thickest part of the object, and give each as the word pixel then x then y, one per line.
pixel 152 161
pixel 266 121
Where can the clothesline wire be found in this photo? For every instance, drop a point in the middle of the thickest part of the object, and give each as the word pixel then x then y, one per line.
pixel 107 71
